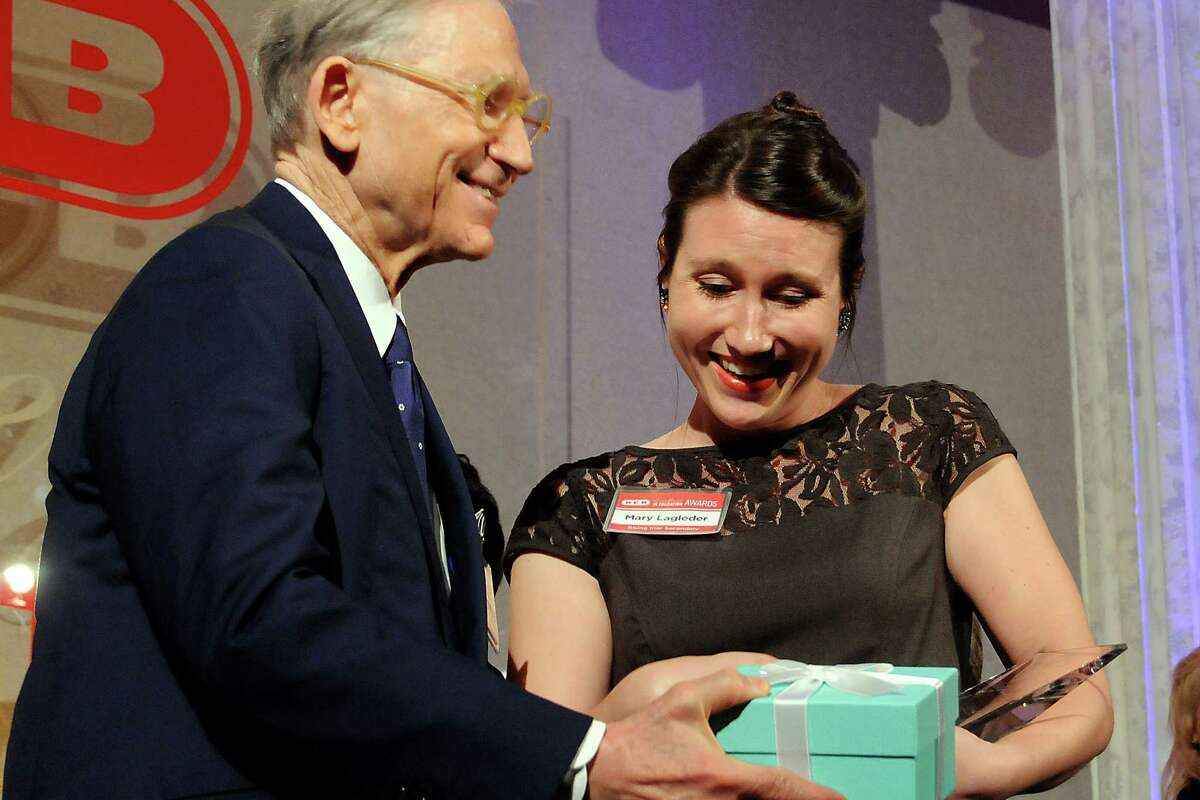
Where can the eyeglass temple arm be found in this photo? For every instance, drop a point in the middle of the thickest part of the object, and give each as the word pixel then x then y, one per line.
pixel 420 74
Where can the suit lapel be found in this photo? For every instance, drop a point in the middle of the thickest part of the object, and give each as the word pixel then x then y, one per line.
pixel 299 232
pixel 462 536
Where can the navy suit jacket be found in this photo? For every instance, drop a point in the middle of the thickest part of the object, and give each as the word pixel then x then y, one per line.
pixel 240 590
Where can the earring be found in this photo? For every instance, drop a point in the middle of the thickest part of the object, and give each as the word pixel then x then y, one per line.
pixel 662 297
pixel 844 317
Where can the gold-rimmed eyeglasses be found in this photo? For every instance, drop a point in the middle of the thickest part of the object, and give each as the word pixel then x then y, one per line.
pixel 493 102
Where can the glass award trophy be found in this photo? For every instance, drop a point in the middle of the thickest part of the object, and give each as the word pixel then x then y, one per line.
pixel 1009 701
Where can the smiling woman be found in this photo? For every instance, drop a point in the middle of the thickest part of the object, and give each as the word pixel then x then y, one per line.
pixel 862 523
pixel 754 299
pixel 761 258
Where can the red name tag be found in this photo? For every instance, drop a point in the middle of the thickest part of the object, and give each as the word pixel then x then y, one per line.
pixel 667 512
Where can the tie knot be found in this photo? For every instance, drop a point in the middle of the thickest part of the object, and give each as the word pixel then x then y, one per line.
pixel 401 348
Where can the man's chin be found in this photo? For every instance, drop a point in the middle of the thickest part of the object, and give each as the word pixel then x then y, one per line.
pixel 475 249
pixel 476 245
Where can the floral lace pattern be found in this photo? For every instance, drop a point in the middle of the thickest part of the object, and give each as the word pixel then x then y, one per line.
pixel 920 440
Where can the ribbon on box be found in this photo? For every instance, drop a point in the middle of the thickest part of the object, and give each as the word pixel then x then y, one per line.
pixel 867 680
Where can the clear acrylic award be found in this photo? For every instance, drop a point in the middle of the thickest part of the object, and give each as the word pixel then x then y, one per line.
pixel 1009 701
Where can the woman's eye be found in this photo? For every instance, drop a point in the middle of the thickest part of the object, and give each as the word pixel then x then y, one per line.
pixel 792 298
pixel 715 289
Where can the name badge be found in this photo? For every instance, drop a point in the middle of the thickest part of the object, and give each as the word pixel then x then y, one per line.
pixel 668 512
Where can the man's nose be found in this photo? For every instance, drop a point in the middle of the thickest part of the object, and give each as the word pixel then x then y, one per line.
pixel 747 332
pixel 511 147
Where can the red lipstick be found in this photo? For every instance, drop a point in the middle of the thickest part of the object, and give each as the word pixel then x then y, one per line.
pixel 740 384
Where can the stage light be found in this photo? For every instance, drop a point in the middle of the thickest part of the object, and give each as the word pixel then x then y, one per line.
pixel 18 587
pixel 20 578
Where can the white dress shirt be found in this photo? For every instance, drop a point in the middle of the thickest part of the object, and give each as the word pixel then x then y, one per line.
pixel 381 311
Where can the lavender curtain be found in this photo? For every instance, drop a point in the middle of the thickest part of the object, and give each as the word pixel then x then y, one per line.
pixel 1127 76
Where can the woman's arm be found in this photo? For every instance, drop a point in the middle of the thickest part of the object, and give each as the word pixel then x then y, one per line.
pixel 1001 553
pixel 560 644
pixel 560 638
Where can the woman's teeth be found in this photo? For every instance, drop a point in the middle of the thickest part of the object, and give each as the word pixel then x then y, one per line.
pixel 744 372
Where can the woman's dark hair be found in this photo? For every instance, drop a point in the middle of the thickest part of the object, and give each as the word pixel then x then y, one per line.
pixel 483 500
pixel 781 158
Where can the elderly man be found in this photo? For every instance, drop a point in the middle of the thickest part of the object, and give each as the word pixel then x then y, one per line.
pixel 246 588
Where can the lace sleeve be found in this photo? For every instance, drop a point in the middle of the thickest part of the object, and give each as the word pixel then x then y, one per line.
pixel 974 439
pixel 552 521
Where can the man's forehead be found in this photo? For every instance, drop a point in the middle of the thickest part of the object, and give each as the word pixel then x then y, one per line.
pixel 464 30
pixel 470 40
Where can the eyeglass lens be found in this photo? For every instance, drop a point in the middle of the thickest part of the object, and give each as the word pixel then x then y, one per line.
pixel 498 106
pixel 535 117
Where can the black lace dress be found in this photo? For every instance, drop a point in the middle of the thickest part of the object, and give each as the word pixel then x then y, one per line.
pixel 833 550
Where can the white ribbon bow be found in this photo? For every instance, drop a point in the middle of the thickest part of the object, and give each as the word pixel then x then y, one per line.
pixel 862 679
pixel 791 705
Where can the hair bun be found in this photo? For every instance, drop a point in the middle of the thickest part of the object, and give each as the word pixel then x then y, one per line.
pixel 788 103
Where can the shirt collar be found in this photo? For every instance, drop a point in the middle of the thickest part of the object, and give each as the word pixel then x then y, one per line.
pixel 380 309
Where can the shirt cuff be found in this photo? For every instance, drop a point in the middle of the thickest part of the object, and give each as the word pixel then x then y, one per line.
pixel 576 776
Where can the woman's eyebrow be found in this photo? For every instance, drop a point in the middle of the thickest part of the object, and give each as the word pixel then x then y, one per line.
pixel 706 263
pixel 797 274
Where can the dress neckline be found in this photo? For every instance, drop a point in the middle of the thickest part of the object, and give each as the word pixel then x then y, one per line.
pixel 756 441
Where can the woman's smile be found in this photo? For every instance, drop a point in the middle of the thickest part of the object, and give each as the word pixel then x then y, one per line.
pixel 746 378
pixel 752 315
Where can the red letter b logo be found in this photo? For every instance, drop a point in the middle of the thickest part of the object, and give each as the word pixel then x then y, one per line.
pixel 127 103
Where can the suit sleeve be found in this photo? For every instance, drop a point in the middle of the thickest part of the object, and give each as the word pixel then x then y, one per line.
pixel 201 421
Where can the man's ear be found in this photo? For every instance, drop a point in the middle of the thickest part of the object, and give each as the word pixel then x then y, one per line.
pixel 334 102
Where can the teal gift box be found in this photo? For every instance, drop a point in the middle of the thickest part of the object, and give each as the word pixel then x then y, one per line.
pixel 890 742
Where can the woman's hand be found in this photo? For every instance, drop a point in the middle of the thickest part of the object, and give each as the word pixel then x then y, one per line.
pixel 983 770
pixel 646 684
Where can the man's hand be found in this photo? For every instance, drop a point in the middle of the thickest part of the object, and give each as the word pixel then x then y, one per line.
pixel 649 682
pixel 667 750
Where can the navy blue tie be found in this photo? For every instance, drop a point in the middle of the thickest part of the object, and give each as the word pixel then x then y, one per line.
pixel 403 374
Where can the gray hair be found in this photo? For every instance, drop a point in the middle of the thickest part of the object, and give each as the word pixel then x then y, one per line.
pixel 297 34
